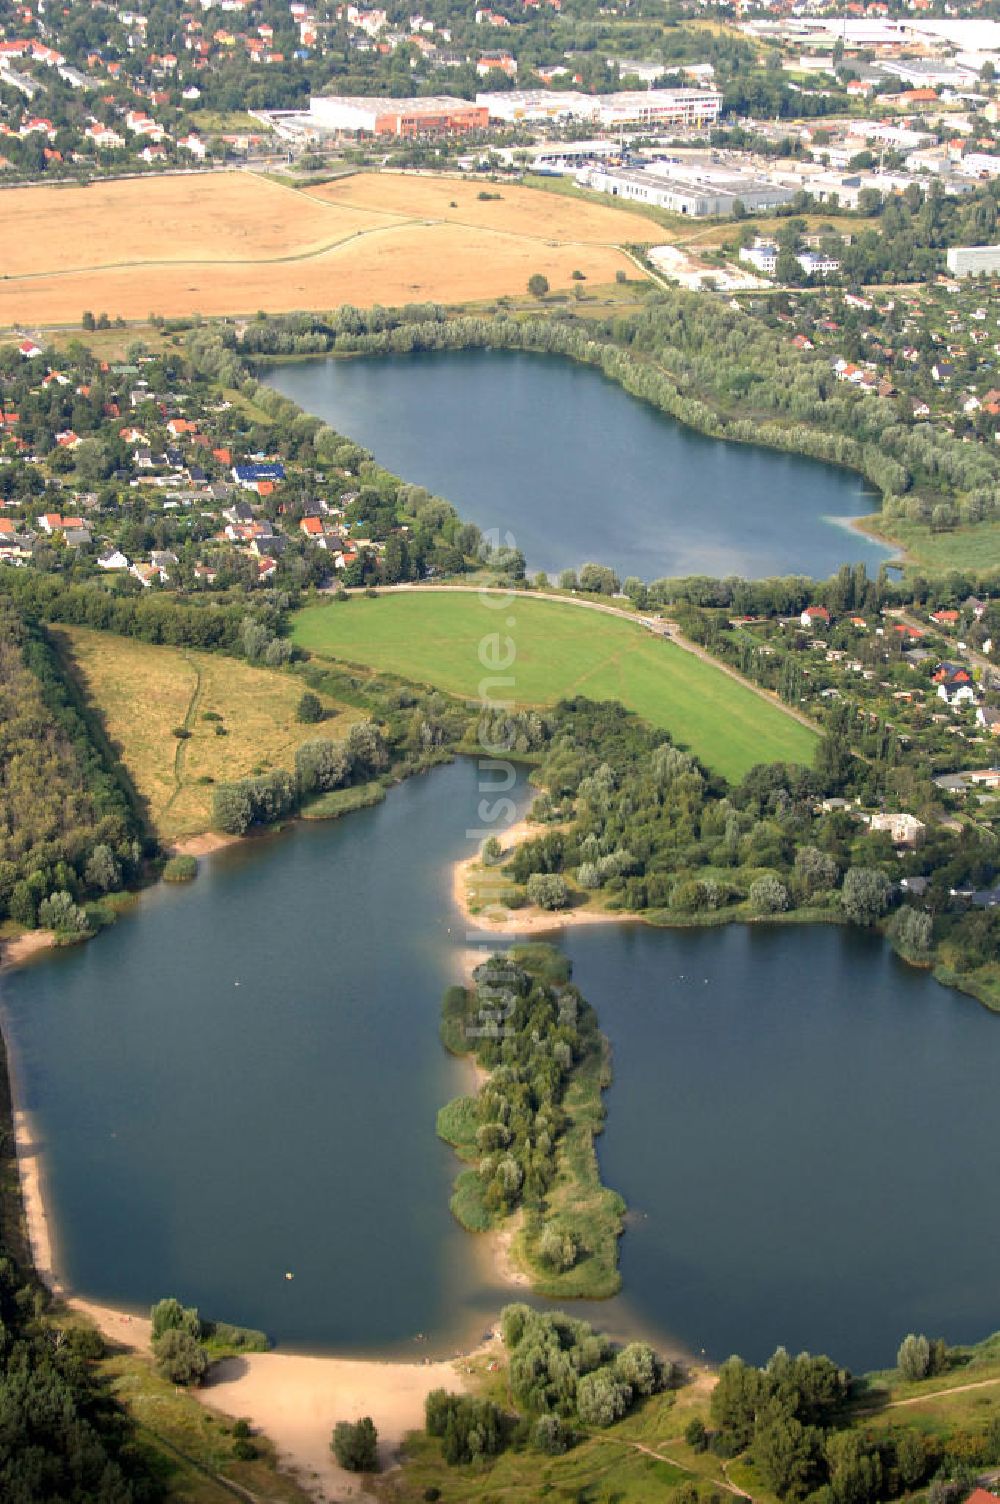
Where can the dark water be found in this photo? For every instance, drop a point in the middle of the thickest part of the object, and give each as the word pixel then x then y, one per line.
pixel 806 1132
pixel 203 1137
pixel 574 469
pixel 807 1135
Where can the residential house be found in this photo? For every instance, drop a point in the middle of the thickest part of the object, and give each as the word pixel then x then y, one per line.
pixel 903 829
pixel 989 719
pixel 112 558
pixel 815 615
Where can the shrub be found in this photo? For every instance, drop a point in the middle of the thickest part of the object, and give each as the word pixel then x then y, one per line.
pixel 538 285
pixel 180 869
pixel 182 733
pixel 550 1435
pixel 695 1435
pixel 310 708
pixel 355 1445
pixel 244 1450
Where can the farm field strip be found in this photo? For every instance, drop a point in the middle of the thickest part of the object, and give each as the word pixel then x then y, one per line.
pixel 559 651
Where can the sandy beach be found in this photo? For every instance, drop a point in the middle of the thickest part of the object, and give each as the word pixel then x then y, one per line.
pixel 25 946
pixel 203 844
pixel 511 923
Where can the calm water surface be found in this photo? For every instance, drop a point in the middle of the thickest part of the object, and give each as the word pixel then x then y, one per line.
pixel 806 1132
pixel 575 469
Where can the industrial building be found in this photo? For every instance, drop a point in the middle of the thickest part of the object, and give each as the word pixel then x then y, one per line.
pixel 434 116
pixel 697 191
pixel 647 109
pixel 974 260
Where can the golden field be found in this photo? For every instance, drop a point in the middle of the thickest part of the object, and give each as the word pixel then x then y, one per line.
pixel 231 243
pixel 142 692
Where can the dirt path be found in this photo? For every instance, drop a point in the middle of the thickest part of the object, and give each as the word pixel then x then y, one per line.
pixel 942 1394
pixel 187 725
pixel 658 626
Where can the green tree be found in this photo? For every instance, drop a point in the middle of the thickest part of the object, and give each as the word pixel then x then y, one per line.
pixel 768 896
pixel 170 1316
pixel 102 870
pixel 179 1357
pixel 548 890
pixel 58 912
pixel 355 1445
pixel 855 1468
pixel 538 285
pixel 865 895
pixel 601 1399
pixel 911 931
pixel 914 1358
pixel 787 1455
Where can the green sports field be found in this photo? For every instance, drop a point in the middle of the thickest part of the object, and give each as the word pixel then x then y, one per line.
pixel 449 640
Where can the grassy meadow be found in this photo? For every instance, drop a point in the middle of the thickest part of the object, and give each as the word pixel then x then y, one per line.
pixel 241 719
pixel 560 651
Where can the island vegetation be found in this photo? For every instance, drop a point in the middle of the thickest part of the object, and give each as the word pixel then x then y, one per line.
pixel 528 1133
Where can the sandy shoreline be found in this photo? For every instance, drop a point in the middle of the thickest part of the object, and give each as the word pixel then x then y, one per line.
pixel 25 946
pixel 294 1399
pixel 502 921
pixel 204 844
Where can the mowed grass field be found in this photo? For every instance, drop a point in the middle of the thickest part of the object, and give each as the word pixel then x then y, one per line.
pixel 234 242
pixel 446 639
pixel 142 692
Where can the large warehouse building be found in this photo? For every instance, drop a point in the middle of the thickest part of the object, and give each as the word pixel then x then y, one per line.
pixel 652 109
pixel 698 191
pixel 974 260
pixel 357 114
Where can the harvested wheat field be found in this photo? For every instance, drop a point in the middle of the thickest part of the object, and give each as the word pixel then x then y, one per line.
pixel 231 243
pixel 240 719
pixel 518 211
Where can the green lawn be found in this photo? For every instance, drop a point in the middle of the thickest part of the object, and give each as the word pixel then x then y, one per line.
pixel 558 651
pixel 975 548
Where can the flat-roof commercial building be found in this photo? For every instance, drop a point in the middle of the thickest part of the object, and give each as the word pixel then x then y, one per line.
pixel 648 109
pixel 700 196
pixel 433 116
pixel 973 260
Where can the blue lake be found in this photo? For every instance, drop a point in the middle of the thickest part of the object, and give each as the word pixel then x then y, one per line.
pixel 568 467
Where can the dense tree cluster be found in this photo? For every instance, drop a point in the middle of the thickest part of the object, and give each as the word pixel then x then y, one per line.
pixel 67 829
pixel 320 766
pixel 562 1367
pixel 528 1026
pixel 63 1439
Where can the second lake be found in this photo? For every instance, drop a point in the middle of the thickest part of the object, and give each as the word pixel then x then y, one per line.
pixel 570 468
